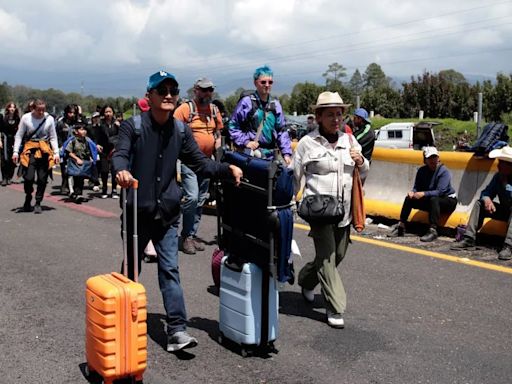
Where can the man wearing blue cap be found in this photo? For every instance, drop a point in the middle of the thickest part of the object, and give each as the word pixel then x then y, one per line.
pixel 147 149
pixel 363 132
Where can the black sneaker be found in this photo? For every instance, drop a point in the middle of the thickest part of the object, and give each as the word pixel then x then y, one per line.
pixel 505 253
pixel 37 209
pixel 431 235
pixel 466 243
pixel 398 231
pixel 27 207
pixel 180 340
pixel 4 183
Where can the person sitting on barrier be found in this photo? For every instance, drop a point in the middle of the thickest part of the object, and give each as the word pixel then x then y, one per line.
pixel 326 159
pixel 432 192
pixel 501 186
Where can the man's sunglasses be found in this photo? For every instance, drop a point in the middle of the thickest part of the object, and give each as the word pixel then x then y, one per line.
pixel 264 82
pixel 164 91
pixel 209 89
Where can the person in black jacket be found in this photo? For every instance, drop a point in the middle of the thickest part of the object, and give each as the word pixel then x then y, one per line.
pixel 432 192
pixel 149 153
pixel 8 127
pixel 64 129
pixel 107 139
pixel 363 132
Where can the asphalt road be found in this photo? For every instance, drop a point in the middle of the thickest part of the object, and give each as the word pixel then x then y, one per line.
pixel 410 318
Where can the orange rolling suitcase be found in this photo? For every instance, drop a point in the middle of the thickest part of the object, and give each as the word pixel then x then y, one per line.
pixel 116 331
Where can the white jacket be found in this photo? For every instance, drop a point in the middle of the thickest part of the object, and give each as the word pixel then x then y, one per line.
pixel 324 170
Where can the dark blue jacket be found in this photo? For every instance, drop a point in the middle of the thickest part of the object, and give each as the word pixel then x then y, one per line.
pixel 498 187
pixel 434 183
pixel 151 157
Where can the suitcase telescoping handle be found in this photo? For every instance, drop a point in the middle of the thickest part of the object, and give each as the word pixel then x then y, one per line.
pixel 135 185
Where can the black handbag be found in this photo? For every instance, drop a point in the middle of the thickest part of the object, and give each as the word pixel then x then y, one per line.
pixel 321 209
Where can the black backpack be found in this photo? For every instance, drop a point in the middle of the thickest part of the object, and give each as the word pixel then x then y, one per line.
pixel 490 136
pixel 250 123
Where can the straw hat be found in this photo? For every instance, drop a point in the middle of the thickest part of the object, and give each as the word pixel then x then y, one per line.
pixel 504 154
pixel 330 99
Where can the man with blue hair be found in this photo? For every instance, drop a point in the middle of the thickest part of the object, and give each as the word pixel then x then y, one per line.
pixel 257 124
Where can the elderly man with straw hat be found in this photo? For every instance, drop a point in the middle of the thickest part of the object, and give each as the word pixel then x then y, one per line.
pixel 500 186
pixel 324 161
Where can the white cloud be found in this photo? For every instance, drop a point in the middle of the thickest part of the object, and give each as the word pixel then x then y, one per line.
pixel 228 39
pixel 13 32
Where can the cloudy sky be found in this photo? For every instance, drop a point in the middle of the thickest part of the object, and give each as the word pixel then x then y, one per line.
pixel 109 47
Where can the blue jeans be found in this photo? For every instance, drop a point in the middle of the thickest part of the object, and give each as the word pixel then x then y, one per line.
pixel 165 240
pixel 195 192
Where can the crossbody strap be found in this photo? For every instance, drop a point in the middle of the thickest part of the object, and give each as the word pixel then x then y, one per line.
pixel 37 129
pixel 260 127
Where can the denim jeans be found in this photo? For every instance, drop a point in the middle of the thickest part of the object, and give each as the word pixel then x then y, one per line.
pixel 165 240
pixel 195 193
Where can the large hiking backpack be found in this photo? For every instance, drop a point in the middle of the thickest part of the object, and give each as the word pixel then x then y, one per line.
pixel 249 123
pixel 492 134
pixel 193 112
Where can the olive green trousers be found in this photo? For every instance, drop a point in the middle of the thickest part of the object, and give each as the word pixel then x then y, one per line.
pixel 331 244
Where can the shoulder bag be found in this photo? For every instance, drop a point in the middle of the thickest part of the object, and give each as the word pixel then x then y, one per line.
pixel 323 209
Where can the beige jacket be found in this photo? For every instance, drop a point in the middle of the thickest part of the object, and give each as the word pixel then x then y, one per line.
pixel 322 169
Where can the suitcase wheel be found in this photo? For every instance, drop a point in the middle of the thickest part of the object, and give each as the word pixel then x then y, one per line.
pixel 92 376
pixel 244 352
pixel 220 339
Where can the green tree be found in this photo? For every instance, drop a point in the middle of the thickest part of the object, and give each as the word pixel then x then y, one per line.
pixel 284 99
pixel 334 75
pixel 502 96
pixel 356 83
pixel 232 100
pixel 374 77
pixel 384 101
pixel 453 76
pixel 4 94
pixel 303 96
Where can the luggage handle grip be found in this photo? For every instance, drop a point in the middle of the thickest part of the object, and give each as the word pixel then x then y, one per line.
pixel 121 277
pixel 134 183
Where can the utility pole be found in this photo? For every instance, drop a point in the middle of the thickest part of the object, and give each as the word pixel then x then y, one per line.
pixel 479 121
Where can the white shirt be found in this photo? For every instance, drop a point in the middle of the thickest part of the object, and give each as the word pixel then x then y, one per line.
pixel 326 170
pixel 29 123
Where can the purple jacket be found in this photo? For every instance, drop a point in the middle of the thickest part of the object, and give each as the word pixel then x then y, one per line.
pixel 242 130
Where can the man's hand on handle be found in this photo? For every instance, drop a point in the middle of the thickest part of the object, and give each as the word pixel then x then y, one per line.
pixel 124 179
pixel 236 173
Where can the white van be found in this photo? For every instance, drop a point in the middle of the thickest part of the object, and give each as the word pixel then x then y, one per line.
pixel 406 135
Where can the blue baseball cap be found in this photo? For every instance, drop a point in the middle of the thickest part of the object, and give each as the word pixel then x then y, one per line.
pixel 363 114
pixel 156 78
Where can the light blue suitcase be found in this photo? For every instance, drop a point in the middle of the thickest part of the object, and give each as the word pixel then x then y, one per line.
pixel 240 314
